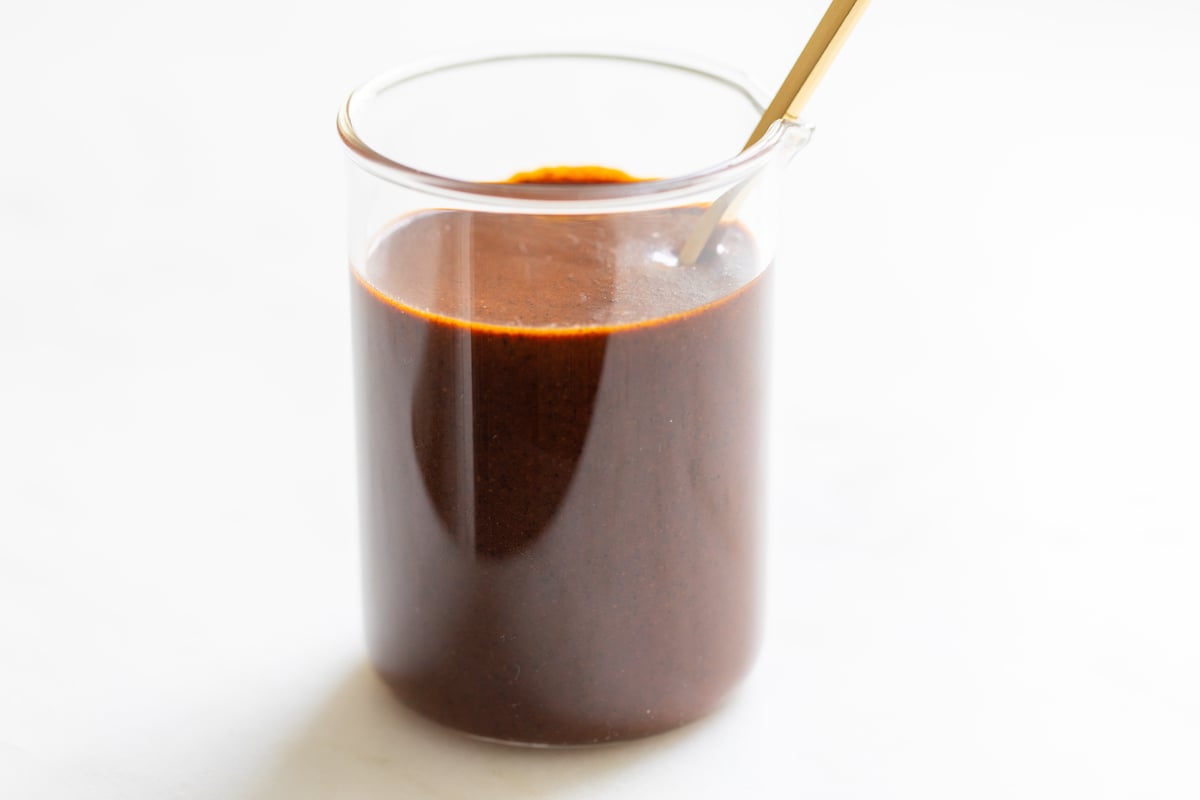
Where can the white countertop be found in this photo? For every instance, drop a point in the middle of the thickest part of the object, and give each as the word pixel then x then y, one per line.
pixel 985 536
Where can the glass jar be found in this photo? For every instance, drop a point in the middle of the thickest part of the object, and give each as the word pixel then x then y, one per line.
pixel 560 420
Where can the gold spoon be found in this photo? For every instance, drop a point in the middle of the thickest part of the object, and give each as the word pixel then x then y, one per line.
pixel 793 95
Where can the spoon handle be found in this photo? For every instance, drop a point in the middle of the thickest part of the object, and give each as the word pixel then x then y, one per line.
pixel 792 96
pixel 810 67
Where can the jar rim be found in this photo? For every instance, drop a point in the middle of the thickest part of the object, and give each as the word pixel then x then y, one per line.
pixel 547 197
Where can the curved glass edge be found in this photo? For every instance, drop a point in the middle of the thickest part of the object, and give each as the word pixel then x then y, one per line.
pixel 789 135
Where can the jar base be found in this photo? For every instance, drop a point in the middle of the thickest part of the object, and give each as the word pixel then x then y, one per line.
pixel 560 734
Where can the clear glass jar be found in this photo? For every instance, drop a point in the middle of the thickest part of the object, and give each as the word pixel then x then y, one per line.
pixel 560 423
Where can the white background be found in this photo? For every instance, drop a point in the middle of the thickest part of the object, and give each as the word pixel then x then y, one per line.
pixel 985 547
